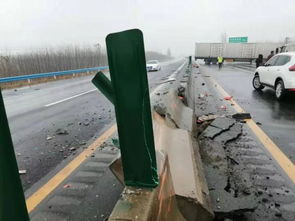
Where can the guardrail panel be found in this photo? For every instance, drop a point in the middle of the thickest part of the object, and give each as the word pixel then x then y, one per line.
pixel 50 74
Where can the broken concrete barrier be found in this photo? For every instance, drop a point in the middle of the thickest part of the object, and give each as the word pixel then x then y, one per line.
pixel 182 194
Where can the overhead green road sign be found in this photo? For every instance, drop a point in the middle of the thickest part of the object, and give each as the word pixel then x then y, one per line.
pixel 238 40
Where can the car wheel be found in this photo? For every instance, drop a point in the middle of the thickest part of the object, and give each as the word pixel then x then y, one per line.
pixel 280 90
pixel 257 84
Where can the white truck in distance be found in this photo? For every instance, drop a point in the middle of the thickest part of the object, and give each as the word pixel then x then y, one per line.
pixel 234 51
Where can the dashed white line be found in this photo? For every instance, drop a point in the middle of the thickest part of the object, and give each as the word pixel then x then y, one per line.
pixel 70 98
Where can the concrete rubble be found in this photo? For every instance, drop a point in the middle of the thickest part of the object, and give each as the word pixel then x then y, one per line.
pixel 243 181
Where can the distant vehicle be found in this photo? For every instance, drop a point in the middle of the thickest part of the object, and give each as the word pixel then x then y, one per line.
pixel 288 47
pixel 233 51
pixel 278 73
pixel 153 65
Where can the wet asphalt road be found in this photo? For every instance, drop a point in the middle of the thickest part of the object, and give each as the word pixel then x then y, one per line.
pixel 46 133
pixel 277 118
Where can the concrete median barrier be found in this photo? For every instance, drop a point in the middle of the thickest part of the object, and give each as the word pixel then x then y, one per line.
pixel 149 204
pixel 182 193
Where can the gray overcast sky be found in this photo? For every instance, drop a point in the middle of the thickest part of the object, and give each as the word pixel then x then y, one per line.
pixel 27 24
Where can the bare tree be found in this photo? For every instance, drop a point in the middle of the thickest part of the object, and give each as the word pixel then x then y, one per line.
pixel 60 59
pixel 49 60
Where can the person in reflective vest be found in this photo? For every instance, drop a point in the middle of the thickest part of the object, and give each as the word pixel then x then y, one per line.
pixel 220 61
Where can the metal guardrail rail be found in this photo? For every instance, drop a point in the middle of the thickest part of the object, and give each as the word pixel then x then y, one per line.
pixel 50 74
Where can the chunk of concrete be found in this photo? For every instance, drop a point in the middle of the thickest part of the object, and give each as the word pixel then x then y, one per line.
pixel 223 122
pixel 212 132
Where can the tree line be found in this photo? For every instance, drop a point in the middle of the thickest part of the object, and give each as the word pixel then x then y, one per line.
pixel 59 59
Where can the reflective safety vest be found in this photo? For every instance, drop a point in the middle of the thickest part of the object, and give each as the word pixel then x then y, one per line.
pixel 220 59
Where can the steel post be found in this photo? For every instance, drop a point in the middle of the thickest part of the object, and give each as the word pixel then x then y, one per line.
pixel 129 82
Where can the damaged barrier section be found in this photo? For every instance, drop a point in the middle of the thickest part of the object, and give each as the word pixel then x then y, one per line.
pixel 244 181
pixel 182 193
pixel 160 165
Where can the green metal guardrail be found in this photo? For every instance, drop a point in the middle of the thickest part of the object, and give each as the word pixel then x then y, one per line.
pixel 129 92
pixel 12 200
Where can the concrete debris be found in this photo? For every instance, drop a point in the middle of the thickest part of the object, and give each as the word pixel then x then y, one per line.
pixel 223 107
pixel 129 191
pixel 49 138
pixel 241 116
pixel 218 126
pixel 61 132
pixel 181 91
pixel 82 143
pixel 86 123
pixel 207 117
pixel 22 172
pixel 229 135
pixel 168 80
pixel 161 109
pixel 223 122
pixel 212 132
pixel 66 186
pixel 201 96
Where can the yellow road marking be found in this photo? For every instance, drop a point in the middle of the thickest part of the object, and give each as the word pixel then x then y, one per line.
pixel 284 162
pixel 47 188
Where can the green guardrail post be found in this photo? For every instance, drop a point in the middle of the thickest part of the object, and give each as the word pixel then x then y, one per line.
pixel 129 92
pixel 12 200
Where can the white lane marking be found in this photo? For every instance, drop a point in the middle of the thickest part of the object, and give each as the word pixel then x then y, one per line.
pixel 87 92
pixel 69 98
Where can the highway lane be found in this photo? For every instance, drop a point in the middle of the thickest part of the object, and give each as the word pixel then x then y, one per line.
pixel 277 118
pixel 51 122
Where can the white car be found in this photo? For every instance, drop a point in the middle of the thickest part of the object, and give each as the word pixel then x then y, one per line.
pixel 153 65
pixel 278 73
